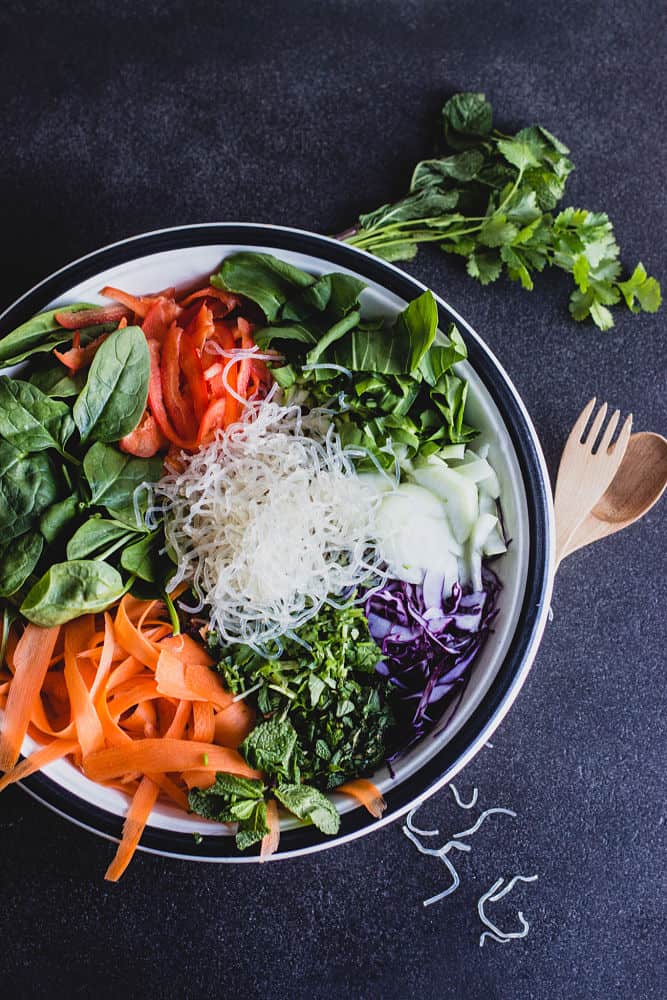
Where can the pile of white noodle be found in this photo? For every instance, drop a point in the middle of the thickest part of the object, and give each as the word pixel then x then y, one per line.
pixel 268 522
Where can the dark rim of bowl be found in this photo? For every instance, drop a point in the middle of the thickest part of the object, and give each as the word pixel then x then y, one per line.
pixel 530 623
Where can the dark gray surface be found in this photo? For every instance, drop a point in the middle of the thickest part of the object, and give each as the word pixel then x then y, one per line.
pixel 119 118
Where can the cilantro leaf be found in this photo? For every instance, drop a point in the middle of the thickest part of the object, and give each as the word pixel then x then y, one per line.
pixel 488 198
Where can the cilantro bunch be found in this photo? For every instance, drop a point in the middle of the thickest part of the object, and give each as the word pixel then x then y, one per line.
pixel 491 199
pixel 324 683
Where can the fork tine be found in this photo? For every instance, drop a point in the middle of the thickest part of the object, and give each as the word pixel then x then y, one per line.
pixel 596 425
pixel 624 436
pixel 582 420
pixel 609 431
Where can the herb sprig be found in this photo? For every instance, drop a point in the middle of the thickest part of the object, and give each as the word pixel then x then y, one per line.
pixel 490 198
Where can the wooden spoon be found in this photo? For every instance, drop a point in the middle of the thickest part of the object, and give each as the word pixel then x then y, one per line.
pixel 639 483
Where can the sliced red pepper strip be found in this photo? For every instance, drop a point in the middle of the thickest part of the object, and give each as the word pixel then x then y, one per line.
pixel 177 404
pixel 212 420
pixel 208 292
pixel 194 375
pixel 90 317
pixel 80 357
pixel 232 407
pixel 156 400
pixel 159 318
pixel 201 327
pixel 146 439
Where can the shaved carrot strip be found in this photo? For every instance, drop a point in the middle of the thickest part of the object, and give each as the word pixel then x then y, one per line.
pixel 37 760
pixel 88 726
pixel 366 793
pixel 142 690
pixel 164 755
pixel 171 789
pixel 192 682
pixel 132 639
pixel 142 720
pixel 204 722
pixel 233 724
pixel 270 842
pixel 140 809
pixel 137 816
pixel 106 656
pixel 31 661
pixel 129 668
pixel 187 650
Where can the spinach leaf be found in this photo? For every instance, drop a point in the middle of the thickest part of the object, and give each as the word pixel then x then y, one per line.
pixel 264 279
pixel 32 421
pixel 142 559
pixel 57 382
pixel 70 589
pixel 333 334
pixel 417 325
pixel 309 803
pixel 55 518
pixel 27 487
pixel 41 333
pixel 95 535
pixel 18 559
pixel 113 399
pixel 333 293
pixel 114 476
pixel 270 748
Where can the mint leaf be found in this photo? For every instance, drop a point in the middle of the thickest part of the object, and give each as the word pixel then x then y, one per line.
pixel 308 803
pixel 466 116
pixel 270 748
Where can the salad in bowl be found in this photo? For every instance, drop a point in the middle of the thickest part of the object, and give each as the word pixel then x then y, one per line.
pixel 255 546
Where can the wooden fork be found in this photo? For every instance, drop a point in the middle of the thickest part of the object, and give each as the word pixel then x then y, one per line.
pixel 584 475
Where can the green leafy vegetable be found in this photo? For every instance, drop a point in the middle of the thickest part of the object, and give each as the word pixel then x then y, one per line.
pixel 143 559
pixel 18 559
pixel 70 589
pixel 309 804
pixel 264 279
pixel 39 334
pixel 58 516
pixel 113 399
pixel 489 199
pixel 270 748
pixel 27 487
pixel 97 535
pixel 114 476
pixel 54 381
pixel 32 421
pixel 328 712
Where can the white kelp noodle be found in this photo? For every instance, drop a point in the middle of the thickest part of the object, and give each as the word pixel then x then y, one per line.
pixel 269 521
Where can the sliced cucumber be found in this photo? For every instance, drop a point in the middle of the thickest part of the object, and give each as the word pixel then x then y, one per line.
pixel 457 493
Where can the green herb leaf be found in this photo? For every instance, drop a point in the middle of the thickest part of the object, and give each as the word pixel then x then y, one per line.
pixel 113 399
pixel 270 748
pixel 95 535
pixel 308 803
pixel 466 117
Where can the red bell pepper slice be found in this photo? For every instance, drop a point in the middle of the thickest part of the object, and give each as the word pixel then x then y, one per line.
pixel 80 357
pixel 74 320
pixel 159 318
pixel 156 400
pixel 193 372
pixel 212 420
pixel 228 300
pixel 201 326
pixel 177 403
pixel 146 439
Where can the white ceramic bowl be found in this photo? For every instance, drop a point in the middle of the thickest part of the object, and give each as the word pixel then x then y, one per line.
pixel 179 256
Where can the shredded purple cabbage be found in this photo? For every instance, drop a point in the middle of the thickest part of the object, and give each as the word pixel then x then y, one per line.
pixel 429 642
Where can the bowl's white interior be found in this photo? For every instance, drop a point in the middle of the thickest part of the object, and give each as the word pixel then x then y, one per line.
pixel 180 267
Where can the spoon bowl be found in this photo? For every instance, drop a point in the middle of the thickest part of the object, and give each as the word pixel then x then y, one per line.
pixel 639 483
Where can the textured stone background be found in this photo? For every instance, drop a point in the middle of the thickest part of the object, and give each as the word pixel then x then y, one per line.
pixel 119 118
